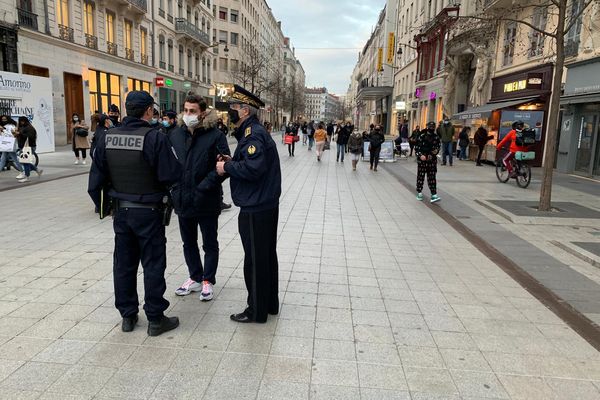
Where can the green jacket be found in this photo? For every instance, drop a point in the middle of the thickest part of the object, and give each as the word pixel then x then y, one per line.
pixel 446 133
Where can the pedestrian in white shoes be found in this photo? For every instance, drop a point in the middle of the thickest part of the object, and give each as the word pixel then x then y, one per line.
pixel 27 137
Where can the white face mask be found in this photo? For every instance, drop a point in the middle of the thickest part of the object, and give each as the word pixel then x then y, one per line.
pixel 191 121
pixel 76 119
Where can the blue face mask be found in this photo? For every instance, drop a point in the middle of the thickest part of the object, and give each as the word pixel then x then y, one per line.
pixel 166 124
pixel 154 121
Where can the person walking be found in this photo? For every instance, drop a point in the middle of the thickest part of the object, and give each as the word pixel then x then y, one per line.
pixel 463 142
pixel 311 135
pixel 27 135
pixel 8 128
pixel 223 128
pixel 480 139
pixel 255 179
pixel 290 139
pixel 426 150
pixel 304 129
pixel 404 132
pixel 376 140
pixel 355 146
pixel 136 165
pixel 320 138
pixel 412 140
pixel 330 130
pixel 342 141
pixel 81 142
pixel 197 196
pixel 446 134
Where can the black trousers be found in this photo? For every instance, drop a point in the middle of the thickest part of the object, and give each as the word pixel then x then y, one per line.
pixel 188 227
pixel 479 154
pixel 291 148
pixel 428 168
pixel 258 231
pixel 374 160
pixel 140 236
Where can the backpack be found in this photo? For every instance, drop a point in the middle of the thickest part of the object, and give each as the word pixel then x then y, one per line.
pixel 525 138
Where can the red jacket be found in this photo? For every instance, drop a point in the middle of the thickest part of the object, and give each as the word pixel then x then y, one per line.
pixel 512 136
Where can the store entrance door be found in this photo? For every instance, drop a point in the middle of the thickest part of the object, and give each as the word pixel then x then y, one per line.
pixel 588 147
pixel 73 100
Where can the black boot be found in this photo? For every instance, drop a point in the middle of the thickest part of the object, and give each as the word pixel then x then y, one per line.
pixel 166 324
pixel 129 323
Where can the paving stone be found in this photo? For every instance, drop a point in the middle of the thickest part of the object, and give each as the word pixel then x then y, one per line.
pixel 328 392
pixel 83 380
pixel 283 390
pixel 63 351
pixel 288 369
pixel 108 355
pixel 151 359
pixel 34 376
pixel 430 380
pixel 478 384
pixel 338 373
pixel 221 388
pixel 132 384
pixel 382 376
pixel 181 384
pixel 292 346
pixel 22 348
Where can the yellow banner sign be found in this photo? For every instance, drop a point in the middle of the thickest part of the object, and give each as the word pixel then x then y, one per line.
pixel 391 47
pixel 380 59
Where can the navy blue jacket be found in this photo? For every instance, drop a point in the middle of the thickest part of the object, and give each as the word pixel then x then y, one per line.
pixel 199 189
pixel 158 153
pixel 254 170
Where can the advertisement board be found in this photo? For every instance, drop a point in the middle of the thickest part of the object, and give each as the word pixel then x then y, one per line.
pixel 29 96
pixel 532 119
pixel 386 154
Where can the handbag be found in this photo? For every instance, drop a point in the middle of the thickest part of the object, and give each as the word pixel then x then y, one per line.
pixel 82 132
pixel 289 139
pixel 7 143
pixel 296 138
pixel 26 154
pixel 326 146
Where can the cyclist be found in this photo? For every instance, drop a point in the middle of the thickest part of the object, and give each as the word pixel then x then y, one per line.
pixel 518 127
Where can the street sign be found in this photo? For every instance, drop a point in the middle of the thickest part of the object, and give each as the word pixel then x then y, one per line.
pixel 169 82
pixel 160 82
pixel 187 85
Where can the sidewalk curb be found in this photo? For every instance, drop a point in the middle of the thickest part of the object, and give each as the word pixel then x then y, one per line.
pixel 581 324
pixel 39 181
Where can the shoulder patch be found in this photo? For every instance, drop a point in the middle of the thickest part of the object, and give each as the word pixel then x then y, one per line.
pixel 251 149
pixel 248 132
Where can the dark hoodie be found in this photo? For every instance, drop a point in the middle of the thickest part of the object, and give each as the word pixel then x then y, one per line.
pixel 199 190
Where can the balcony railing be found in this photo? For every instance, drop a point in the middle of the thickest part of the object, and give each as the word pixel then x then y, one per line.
pixel 65 33
pixel 190 75
pixel 571 48
pixel 183 26
pixel 141 5
pixel 28 19
pixel 129 54
pixel 181 71
pixel 144 59
pixel 91 41
pixel 171 68
pixel 161 12
pixel 169 18
pixel 112 48
pixel 162 65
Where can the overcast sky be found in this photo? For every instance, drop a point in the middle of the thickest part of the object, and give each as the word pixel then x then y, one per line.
pixel 341 26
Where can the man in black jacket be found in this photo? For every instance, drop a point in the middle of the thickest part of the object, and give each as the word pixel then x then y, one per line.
pixel 197 196
pixel 255 187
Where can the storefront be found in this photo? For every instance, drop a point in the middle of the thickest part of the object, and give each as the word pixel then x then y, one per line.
pixel 520 96
pixel 579 144
pixel 171 93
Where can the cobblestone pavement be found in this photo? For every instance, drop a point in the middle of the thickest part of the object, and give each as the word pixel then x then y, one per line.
pixel 380 299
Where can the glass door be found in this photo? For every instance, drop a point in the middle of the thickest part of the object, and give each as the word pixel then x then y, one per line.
pixel 585 144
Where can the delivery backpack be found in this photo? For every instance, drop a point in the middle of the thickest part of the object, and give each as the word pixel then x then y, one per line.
pixel 525 138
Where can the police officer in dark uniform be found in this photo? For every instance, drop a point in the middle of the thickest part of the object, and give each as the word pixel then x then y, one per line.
pixel 136 165
pixel 255 176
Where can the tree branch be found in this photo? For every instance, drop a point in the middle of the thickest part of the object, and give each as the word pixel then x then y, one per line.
pixel 535 28
pixel 574 18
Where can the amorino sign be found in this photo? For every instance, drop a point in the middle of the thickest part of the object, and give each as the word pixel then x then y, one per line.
pixel 583 77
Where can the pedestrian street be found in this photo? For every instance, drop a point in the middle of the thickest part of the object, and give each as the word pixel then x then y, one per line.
pixel 380 299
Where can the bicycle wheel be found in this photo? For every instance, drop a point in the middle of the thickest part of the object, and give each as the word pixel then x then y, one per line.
pixel 524 175
pixel 501 172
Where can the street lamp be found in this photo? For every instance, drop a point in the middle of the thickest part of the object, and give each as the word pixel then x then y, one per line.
pixel 226 49
pixel 401 45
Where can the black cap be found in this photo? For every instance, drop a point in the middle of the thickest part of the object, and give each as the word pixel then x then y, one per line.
pixel 240 95
pixel 431 124
pixel 113 108
pixel 138 98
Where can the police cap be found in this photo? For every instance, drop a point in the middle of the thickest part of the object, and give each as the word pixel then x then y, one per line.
pixel 138 99
pixel 240 95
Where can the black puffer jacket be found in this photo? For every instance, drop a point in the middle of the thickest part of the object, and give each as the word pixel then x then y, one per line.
pixel 199 190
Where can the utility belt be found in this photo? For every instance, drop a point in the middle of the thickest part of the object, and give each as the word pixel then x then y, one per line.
pixel 166 207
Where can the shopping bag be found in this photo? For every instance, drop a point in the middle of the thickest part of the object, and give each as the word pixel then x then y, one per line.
pixel 289 139
pixel 326 146
pixel 7 143
pixel 296 138
pixel 26 155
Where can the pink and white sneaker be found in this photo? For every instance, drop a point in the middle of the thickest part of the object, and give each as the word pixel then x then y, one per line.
pixel 207 291
pixel 188 287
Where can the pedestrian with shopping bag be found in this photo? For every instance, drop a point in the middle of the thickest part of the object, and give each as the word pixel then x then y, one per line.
pixel 8 144
pixel 27 142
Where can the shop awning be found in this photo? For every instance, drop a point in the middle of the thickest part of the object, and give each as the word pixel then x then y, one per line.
pixel 486 110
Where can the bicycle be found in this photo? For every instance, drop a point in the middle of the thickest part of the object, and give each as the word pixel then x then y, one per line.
pixel 521 171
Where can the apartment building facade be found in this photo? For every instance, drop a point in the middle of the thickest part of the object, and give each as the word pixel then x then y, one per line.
pixel 321 106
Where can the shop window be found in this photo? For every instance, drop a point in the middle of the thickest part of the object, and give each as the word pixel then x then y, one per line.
pixel 105 89
pixel 136 84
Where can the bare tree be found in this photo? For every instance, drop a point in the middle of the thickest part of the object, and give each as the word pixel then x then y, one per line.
pixel 566 15
pixel 252 71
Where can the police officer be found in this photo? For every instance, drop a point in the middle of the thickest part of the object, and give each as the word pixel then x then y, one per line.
pixel 255 176
pixel 136 165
